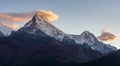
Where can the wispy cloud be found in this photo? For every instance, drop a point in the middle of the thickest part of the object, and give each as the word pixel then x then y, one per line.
pixel 49 16
pixel 13 26
pixel 16 17
pixel 11 19
pixel 107 36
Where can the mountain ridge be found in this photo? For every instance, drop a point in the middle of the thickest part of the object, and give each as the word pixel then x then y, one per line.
pixel 27 49
pixel 89 38
pixel 49 29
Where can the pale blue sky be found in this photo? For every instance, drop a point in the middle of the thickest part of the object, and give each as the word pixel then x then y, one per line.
pixel 75 16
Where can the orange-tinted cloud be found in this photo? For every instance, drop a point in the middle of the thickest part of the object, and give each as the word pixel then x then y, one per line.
pixel 13 26
pixel 107 36
pixel 24 17
pixel 48 16
pixel 16 17
pixel 105 30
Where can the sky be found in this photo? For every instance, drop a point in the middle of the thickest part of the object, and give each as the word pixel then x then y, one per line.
pixel 100 17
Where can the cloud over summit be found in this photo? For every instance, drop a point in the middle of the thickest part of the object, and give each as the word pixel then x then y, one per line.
pixel 11 19
pixel 49 16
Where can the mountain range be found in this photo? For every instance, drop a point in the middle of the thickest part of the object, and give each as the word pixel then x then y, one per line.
pixel 86 37
pixel 39 42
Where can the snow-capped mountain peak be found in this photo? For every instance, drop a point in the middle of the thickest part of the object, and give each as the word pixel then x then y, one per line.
pixel 85 37
pixel 40 23
pixel 42 17
pixel 86 33
pixel 88 38
pixel 4 30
